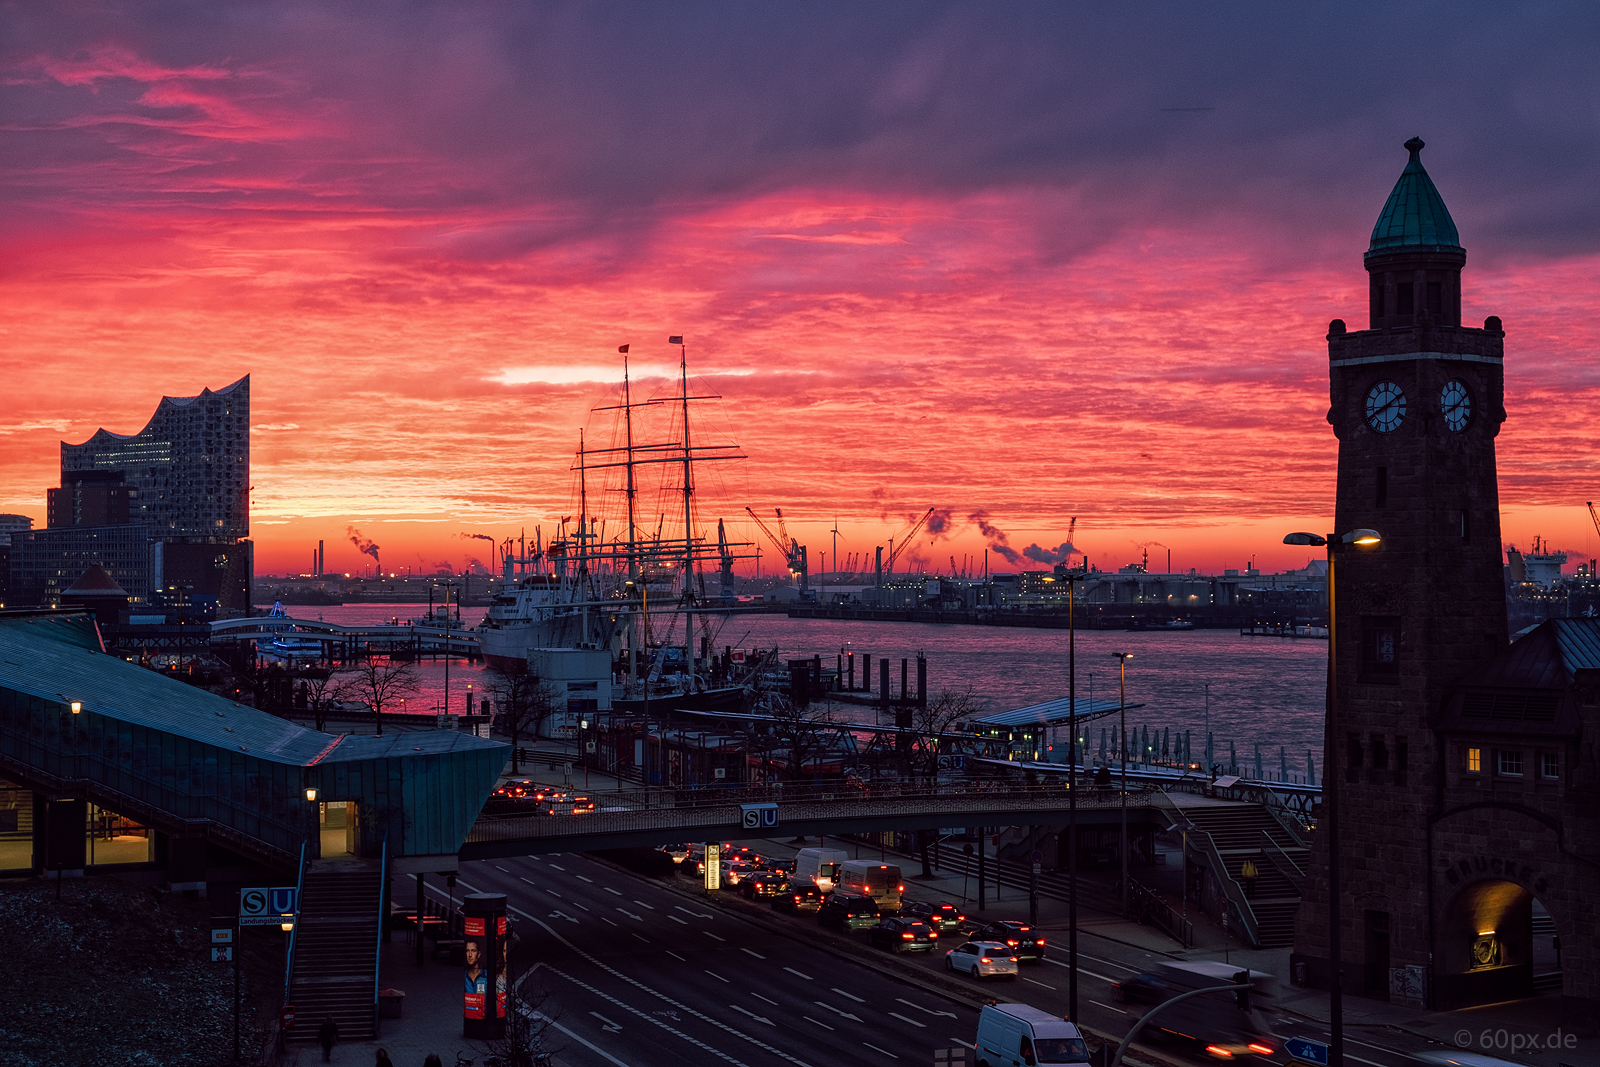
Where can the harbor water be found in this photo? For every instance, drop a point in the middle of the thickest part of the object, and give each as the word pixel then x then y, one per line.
pixel 1250 690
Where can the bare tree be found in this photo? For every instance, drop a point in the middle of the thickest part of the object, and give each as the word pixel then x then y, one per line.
pixel 320 688
pixel 800 733
pixel 938 717
pixel 522 704
pixel 378 683
pixel 527 1040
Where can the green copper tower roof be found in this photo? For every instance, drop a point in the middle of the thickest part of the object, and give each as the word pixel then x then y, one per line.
pixel 1415 217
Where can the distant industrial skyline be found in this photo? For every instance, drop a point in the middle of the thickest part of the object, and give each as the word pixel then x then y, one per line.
pixel 995 263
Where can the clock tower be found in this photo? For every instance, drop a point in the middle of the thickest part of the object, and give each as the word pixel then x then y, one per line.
pixel 1416 404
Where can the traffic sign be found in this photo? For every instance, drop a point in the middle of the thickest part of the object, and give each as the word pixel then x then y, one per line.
pixel 222 935
pixel 263 906
pixel 758 816
pixel 221 953
pixel 1307 1050
pixel 1038 857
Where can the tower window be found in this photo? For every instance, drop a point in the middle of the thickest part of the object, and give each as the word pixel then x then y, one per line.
pixel 1383 487
pixel 1510 762
pixel 1380 649
pixel 1474 761
pixel 1403 301
pixel 1549 765
pixel 1435 299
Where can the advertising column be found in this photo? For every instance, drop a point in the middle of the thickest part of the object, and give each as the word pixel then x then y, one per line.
pixel 484 980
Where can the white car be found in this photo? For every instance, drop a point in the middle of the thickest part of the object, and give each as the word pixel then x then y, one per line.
pixel 981 959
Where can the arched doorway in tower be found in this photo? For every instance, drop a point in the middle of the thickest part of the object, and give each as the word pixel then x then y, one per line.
pixel 1496 942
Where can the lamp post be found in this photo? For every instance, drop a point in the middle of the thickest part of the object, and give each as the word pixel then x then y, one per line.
pixel 1122 744
pixel 1072 791
pixel 1330 783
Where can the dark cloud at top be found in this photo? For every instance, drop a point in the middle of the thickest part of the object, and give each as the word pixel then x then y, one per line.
pixel 556 121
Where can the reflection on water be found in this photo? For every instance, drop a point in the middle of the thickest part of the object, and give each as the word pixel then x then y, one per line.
pixel 1263 690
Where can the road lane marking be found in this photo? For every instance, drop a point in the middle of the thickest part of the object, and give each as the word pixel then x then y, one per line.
pixel 791 970
pixel 641 986
pixel 647 1018
pixel 500 868
pixel 885 1051
pixel 758 996
pixel 913 1022
pixel 581 878
pixel 816 1022
pixel 852 996
pixel 1119 1011
pixel 919 1007
pixel 717 976
pixel 591 1046
pixel 674 955
pixel 713 936
pixel 675 919
pixel 1091 974
pixel 753 1015
pixel 1038 983
pixel 576 904
pixel 754 953
pixel 641 937
pixel 630 914
pixel 836 1011
pixel 696 914
pixel 562 915
pixel 613 892
pixel 552 892
pixel 642 904
pixel 531 882
pixel 608 920
pixel 558 866
pixel 611 1027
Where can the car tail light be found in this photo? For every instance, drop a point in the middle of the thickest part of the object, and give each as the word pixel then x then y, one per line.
pixel 1265 1050
pixel 1014 959
pixel 934 934
pixel 984 959
pixel 1038 941
pixel 1219 1052
pixel 909 937
pixel 1012 942
pixel 902 889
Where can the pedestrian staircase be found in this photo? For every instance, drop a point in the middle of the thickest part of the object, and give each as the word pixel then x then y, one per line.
pixel 336 950
pixel 1241 832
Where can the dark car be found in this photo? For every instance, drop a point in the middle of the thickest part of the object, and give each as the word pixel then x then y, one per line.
pixel 848 912
pixel 797 898
pixel 903 935
pixel 1140 989
pixel 763 884
pixel 941 916
pixel 1017 936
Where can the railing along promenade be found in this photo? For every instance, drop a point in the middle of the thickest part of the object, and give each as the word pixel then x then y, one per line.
pixel 633 817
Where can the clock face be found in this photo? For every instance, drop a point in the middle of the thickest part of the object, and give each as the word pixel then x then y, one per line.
pixel 1456 403
pixel 1386 407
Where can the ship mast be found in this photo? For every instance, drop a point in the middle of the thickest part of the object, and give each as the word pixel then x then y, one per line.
pixel 580 583
pixel 688 523
pixel 633 550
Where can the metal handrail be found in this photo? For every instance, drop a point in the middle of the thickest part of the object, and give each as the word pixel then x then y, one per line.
pixel 377 955
pixel 299 904
pixel 1283 861
pixel 1162 914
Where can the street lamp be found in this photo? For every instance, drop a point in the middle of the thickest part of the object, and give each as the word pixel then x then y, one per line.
pixel 1072 579
pixel 1122 743
pixel 1330 780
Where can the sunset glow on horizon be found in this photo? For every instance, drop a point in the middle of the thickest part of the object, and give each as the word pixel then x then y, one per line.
pixel 1022 269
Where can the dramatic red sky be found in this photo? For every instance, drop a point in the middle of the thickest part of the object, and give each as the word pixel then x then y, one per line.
pixel 1021 262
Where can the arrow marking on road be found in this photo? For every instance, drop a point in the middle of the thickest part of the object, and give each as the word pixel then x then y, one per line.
pixel 562 915
pixel 919 1007
pixel 610 1027
pixel 630 914
pixel 913 1022
pixel 753 1015
pixel 836 1011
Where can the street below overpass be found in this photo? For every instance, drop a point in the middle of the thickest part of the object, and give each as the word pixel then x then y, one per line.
pixel 644 970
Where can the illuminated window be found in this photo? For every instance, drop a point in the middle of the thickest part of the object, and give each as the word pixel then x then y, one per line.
pixel 1474 761
pixel 1549 765
pixel 1510 762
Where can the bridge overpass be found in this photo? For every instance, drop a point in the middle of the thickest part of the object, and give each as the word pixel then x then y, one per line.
pixel 343 642
pixel 649 818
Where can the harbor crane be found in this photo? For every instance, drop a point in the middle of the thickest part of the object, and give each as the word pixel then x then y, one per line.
pixel 910 535
pixel 793 551
pixel 1594 517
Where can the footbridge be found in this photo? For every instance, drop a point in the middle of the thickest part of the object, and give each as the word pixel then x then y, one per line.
pixel 345 642
pixel 647 818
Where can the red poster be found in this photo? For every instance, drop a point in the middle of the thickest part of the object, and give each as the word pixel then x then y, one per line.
pixel 474 926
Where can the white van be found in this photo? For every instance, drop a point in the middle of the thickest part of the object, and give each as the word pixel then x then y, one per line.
pixel 818 867
pixel 880 881
pixel 1015 1035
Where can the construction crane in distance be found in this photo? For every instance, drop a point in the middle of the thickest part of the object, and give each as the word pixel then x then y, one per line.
pixel 1594 516
pixel 909 536
pixel 793 551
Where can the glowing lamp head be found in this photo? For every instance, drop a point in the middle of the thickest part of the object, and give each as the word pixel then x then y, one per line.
pixel 77 707
pixel 1363 537
pixel 311 794
pixel 288 923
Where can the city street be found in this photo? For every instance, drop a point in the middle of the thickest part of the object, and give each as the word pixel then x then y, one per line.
pixel 642 971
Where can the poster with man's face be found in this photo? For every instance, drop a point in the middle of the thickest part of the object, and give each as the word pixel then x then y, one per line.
pixel 476 975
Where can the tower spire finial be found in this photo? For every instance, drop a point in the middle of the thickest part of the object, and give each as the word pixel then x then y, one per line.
pixel 1415 145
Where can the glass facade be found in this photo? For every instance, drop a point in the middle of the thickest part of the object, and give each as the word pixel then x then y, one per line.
pixel 16 827
pixel 46 562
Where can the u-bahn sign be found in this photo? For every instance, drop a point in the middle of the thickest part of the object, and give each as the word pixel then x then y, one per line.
pixel 263 906
pixel 758 816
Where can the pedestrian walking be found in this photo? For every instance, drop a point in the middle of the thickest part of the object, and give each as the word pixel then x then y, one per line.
pixel 383 1058
pixel 1249 873
pixel 327 1034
